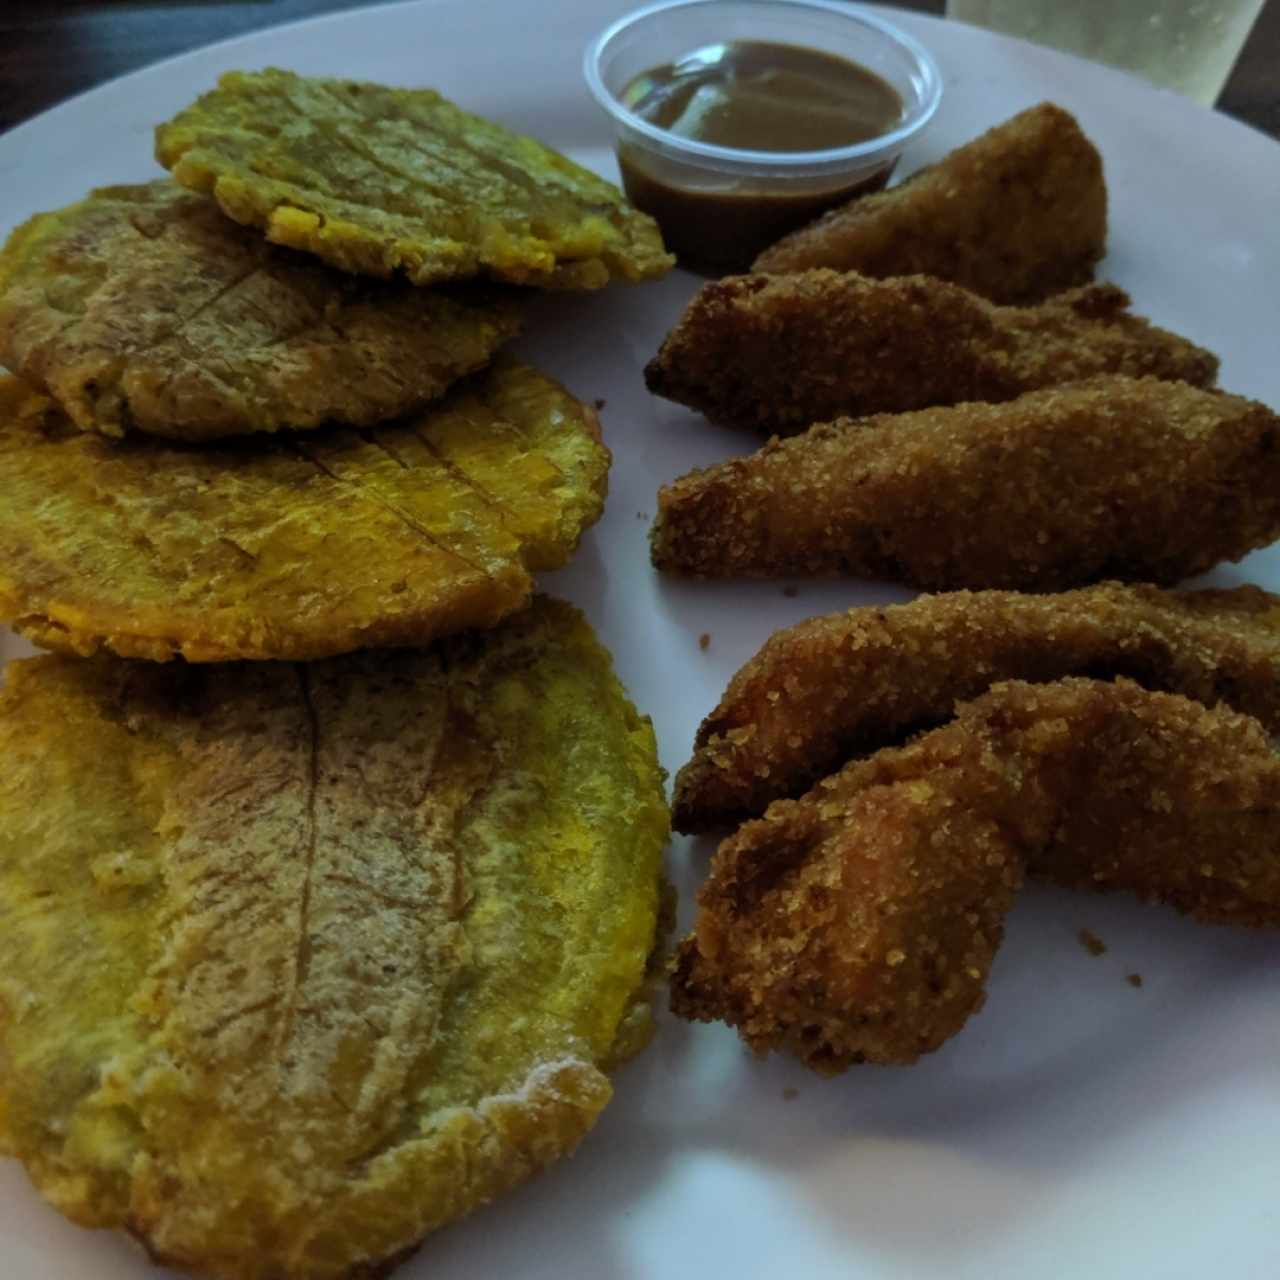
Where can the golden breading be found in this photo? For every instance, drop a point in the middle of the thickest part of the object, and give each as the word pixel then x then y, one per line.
pixel 301 962
pixel 850 683
pixel 144 309
pixel 858 923
pixel 779 353
pixel 1015 215
pixel 1116 477
pixel 380 181
pixel 327 542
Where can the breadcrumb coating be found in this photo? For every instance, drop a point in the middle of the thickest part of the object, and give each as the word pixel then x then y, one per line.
pixel 299 963
pixel 858 923
pixel 779 353
pixel 1135 479
pixel 144 308
pixel 382 181
pixel 1016 215
pixel 849 683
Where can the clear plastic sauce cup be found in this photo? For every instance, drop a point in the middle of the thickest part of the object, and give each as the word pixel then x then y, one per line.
pixel 719 206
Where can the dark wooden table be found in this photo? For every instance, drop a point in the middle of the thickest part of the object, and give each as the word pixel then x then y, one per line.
pixel 51 49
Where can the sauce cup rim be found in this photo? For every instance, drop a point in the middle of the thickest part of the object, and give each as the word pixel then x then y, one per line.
pixel 736 157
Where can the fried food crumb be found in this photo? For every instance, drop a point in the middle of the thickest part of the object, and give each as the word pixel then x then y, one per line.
pixel 791 592
pixel 599 404
pixel 1093 944
pixel 1134 979
pixel 704 641
pixel 790 1095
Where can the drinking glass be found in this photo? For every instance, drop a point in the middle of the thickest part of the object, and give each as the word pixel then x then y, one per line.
pixel 1187 45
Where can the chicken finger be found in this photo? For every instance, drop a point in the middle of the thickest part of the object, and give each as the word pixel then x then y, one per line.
pixel 858 924
pixel 850 683
pixel 779 353
pixel 1114 478
pixel 1017 214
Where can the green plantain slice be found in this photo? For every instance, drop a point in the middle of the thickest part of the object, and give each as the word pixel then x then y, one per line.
pixel 303 547
pixel 378 180
pixel 299 962
pixel 144 308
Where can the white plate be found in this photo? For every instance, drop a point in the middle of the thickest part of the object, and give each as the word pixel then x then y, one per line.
pixel 1079 1126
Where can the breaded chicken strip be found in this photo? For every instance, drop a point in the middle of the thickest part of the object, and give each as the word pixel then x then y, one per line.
pixel 858 923
pixel 779 353
pixel 1015 215
pixel 840 928
pixel 850 683
pixel 1117 477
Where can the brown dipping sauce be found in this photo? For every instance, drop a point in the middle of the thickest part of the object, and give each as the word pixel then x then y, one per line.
pixel 750 95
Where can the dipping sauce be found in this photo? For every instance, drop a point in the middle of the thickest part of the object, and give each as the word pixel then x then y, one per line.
pixel 765 97
pixel 755 96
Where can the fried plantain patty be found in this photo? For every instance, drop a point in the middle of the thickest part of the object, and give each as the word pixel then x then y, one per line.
pixel 300 962
pixel 144 308
pixel 300 548
pixel 378 180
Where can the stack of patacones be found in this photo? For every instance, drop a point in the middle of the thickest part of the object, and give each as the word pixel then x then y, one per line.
pixel 302 959
pixel 977 430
